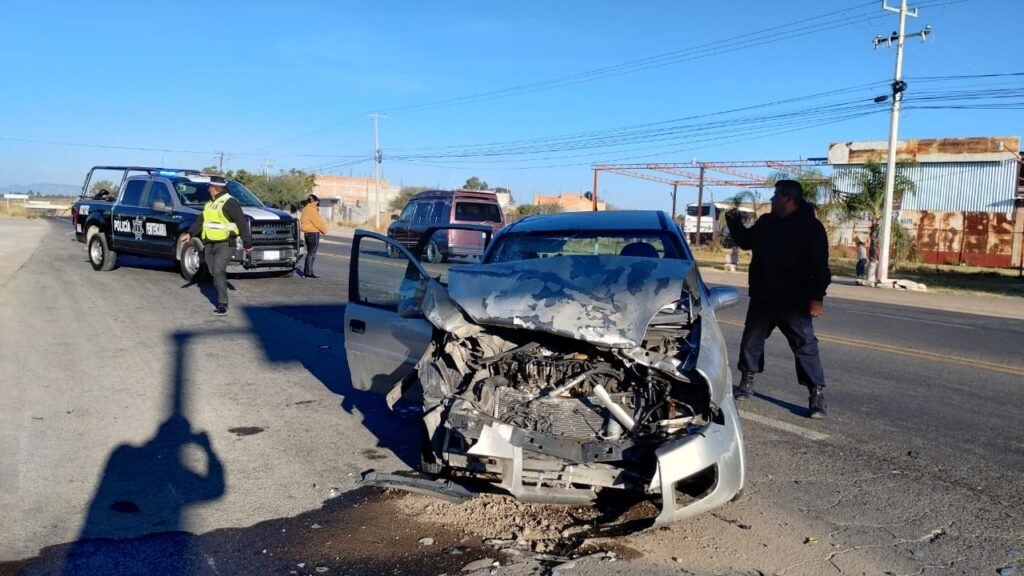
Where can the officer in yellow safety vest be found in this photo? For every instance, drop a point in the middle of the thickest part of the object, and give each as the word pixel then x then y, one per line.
pixel 221 222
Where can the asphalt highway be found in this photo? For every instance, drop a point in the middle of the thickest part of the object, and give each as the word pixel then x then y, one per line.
pixel 917 469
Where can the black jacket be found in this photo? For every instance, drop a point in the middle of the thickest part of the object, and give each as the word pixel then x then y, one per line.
pixel 233 210
pixel 790 261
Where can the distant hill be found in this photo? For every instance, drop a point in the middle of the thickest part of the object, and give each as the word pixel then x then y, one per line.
pixel 42 188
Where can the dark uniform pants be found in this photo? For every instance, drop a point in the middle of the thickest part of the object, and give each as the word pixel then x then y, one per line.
pixel 312 243
pixel 794 321
pixel 218 254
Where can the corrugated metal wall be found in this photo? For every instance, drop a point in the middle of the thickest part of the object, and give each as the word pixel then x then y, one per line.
pixel 949 186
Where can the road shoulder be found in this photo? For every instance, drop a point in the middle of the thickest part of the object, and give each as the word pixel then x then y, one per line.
pixel 844 288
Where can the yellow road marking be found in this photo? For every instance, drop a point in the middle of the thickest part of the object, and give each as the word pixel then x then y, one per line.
pixel 995 367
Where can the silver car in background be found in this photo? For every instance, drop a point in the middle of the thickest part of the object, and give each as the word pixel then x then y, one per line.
pixel 579 354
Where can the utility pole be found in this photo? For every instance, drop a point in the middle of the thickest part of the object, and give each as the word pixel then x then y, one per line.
pixel 898 87
pixel 377 158
pixel 267 165
pixel 700 204
pixel 593 194
pixel 675 188
pixel 220 162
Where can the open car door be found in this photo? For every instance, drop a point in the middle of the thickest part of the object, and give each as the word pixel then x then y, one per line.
pixel 386 333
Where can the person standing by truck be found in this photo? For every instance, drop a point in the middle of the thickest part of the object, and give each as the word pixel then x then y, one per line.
pixel 312 227
pixel 220 224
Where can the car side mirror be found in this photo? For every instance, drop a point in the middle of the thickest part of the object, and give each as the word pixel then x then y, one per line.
pixel 159 206
pixel 723 297
pixel 394 217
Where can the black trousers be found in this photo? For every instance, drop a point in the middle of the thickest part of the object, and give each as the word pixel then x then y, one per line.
pixel 217 255
pixel 312 243
pixel 794 321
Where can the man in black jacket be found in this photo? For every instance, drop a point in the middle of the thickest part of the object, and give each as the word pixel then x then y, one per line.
pixel 220 224
pixel 788 277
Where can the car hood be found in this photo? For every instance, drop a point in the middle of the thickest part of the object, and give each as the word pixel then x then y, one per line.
pixel 265 213
pixel 604 300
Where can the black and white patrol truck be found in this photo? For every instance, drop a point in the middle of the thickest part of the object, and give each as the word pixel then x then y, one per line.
pixel 153 207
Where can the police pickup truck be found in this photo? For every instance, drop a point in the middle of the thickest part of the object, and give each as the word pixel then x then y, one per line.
pixel 155 206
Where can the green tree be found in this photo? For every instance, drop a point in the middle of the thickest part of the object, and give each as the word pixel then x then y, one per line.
pixel 212 170
pixel 398 202
pixel 523 210
pixel 282 189
pixel 103 185
pixel 474 183
pixel 870 195
pixel 502 190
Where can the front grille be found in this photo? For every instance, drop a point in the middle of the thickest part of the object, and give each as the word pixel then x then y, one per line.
pixel 272 233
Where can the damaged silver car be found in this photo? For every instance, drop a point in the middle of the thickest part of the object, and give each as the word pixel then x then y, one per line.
pixel 579 354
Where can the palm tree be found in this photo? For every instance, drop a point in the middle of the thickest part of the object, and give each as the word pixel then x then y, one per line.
pixel 870 195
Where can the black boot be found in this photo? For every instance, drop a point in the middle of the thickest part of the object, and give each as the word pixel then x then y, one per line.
pixel 746 386
pixel 816 403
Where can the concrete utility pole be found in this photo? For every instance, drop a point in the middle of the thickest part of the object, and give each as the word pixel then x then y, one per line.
pixel 377 158
pixel 700 204
pixel 220 162
pixel 267 165
pixel 898 87
pixel 593 194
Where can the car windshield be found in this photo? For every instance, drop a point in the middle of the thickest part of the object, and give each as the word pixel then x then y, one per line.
pixel 198 193
pixel 514 247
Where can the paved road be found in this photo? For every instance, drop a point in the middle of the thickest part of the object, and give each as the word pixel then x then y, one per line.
pixel 122 422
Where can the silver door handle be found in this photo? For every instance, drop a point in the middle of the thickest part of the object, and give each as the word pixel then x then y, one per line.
pixel 175 217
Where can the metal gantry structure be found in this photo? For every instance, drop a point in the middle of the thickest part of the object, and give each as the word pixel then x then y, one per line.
pixel 695 175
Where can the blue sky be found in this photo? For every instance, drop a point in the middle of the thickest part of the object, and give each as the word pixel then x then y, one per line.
pixel 292 82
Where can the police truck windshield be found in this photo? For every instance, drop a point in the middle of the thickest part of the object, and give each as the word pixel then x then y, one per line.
pixel 198 193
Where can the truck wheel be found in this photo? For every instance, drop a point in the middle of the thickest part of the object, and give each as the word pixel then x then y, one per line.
pixel 192 266
pixel 101 256
pixel 434 254
pixel 393 252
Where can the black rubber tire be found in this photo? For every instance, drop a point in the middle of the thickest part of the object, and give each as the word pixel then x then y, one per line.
pixel 434 254
pixel 393 252
pixel 428 462
pixel 191 264
pixel 102 258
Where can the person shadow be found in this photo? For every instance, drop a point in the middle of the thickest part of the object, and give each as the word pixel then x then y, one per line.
pixel 207 289
pixel 793 408
pixel 134 523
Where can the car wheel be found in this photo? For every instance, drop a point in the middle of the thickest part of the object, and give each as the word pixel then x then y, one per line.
pixel 428 462
pixel 101 256
pixel 192 266
pixel 434 254
pixel 393 252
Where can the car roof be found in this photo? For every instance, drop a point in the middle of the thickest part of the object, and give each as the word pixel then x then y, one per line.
pixel 654 220
pixel 459 194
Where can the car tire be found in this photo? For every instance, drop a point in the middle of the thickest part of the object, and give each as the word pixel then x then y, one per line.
pixel 101 257
pixel 191 264
pixel 393 252
pixel 434 254
pixel 428 462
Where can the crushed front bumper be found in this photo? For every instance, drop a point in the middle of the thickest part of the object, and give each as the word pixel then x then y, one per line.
pixel 720 448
